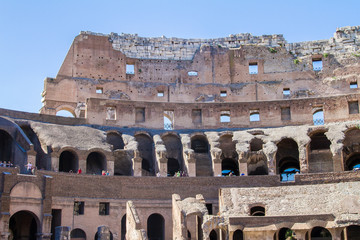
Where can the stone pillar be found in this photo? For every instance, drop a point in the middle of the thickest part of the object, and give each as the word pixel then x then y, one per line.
pixel 62 233
pixel 242 161
pixel 31 156
pixel 82 165
pixel 163 161
pixel 103 233
pixel 216 162
pixel 336 233
pixel 46 227
pixel 110 167
pixel 55 163
pixel 4 226
pixel 136 164
pixel 338 163
pixel 300 234
pixel 303 155
pixel 191 165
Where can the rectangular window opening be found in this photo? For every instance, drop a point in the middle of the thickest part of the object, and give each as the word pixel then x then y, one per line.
pixel 79 208
pixel 110 113
pixel 160 93
pixel 286 92
pixel 209 208
pixel 225 116
pixel 285 114
pixel 130 69
pixel 254 116
pixel 353 107
pixel 196 116
pixel 317 64
pixel 99 90
pixel 223 93
pixel 104 208
pixel 139 115
pixel 353 85
pixel 192 73
pixel 253 68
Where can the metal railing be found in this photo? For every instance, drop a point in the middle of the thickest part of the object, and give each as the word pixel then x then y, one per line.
pixel 319 121
pixel 168 126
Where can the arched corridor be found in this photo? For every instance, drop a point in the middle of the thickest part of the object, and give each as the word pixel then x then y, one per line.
pixel 23 225
pixel 95 163
pixel 156 227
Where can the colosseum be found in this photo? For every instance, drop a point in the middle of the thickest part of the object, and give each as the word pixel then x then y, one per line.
pixel 241 137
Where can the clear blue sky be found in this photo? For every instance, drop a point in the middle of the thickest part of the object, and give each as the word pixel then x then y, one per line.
pixel 36 35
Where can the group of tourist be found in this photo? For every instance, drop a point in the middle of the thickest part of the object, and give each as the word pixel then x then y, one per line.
pixel 6 164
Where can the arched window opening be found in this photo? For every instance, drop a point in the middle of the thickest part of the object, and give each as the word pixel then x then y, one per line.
pixel 97 235
pixel 173 153
pixel 95 163
pixel 145 147
pixel 319 141
pixel 68 162
pixel 77 234
pixel 172 167
pixel 320 233
pixel 288 167
pixel 229 167
pixel 6 143
pixel 23 225
pixel 65 113
pixel 200 144
pixel 156 227
pixel 353 163
pixel 257 211
pixel 286 233
pixel 318 117
pixel 115 140
pixel 238 235
pixel 213 235
pixel 123 227
pixel 168 120
pixel 256 145
pixel 255 117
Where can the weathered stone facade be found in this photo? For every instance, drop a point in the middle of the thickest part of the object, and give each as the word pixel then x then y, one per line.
pixel 242 137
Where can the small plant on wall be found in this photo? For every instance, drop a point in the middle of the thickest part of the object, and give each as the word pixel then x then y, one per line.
pixel 272 50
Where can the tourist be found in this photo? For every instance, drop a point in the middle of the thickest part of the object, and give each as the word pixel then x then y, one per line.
pixel 79 171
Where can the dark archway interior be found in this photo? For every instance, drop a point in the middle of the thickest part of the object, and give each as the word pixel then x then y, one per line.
pixel 319 141
pixel 353 232
pixel 156 227
pixel 115 140
pixel 238 235
pixel 320 233
pixel 68 161
pixel 23 225
pixel 285 233
pixel 78 234
pixel 256 145
pixel 200 144
pixel 287 155
pixel 352 162
pixel 228 166
pixel 95 163
pixel 213 235
pixel 259 170
pixel 123 227
pixel 174 150
pixel 5 147
pixel 172 167
pixel 257 211
pixel 145 147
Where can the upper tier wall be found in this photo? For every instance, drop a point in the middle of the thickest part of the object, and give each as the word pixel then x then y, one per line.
pixel 346 39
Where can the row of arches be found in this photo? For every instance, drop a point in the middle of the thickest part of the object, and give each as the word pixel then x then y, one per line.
pixel 26 225
pixel 95 162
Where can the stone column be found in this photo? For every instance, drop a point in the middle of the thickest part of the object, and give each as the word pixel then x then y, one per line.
pixel 136 164
pixel 46 227
pixel 191 165
pixel 54 163
pixel 336 233
pixel 62 233
pixel 4 226
pixel 304 168
pixel 82 165
pixel 31 156
pixel 301 234
pixel 163 161
pixel 103 233
pixel 110 167
pixel 216 162
pixel 242 163
pixel 338 163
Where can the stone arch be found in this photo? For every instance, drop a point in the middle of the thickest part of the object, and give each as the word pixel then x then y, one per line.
pixel 68 160
pixel 156 227
pixel 238 235
pixel 146 150
pixel 96 163
pixel 320 233
pixel 319 156
pixel 257 210
pixel 173 147
pixel 115 139
pixel 229 156
pixel 26 190
pixel 287 159
pixel 351 149
pixel 199 143
pixel 67 108
pixel 24 225
pixel 77 234
pixel 97 234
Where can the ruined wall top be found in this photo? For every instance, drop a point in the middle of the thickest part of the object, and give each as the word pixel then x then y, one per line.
pixel 345 39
